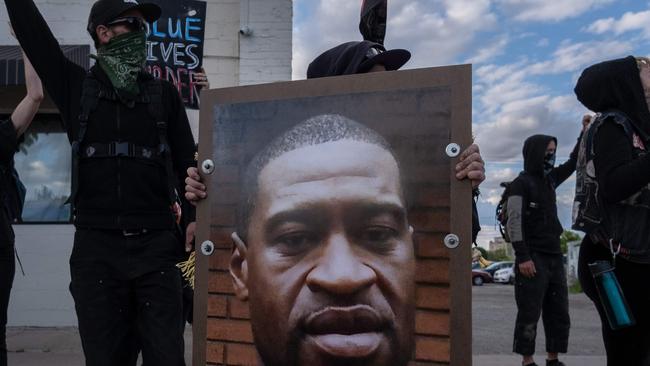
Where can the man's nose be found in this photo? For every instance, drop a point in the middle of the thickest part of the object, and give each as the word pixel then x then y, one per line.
pixel 340 270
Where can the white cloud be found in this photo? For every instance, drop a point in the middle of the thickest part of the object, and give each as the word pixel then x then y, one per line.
pixel 513 104
pixel 38 170
pixel 502 137
pixel 544 10
pixel 490 51
pixel 435 31
pixel 630 21
pixel 503 174
pixel 571 57
pixel 495 174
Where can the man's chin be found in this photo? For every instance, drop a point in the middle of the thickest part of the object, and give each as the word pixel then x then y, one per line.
pixel 372 348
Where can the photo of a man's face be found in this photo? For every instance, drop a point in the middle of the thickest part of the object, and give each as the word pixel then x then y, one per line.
pixel 328 208
pixel 327 261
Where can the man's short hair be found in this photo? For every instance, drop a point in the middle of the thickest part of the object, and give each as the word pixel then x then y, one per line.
pixel 313 131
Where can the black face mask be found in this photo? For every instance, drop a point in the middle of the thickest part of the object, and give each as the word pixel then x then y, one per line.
pixel 549 163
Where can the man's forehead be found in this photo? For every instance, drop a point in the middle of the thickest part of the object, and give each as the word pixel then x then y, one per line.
pixel 330 160
pixel 346 170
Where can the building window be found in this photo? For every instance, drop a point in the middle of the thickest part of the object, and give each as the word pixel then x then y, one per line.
pixel 44 165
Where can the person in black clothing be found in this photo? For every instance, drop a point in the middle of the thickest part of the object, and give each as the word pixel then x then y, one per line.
pixel 620 90
pixel 359 58
pixel 12 191
pixel 132 144
pixel 534 229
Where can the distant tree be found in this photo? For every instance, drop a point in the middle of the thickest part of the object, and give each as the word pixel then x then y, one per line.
pixel 567 237
pixel 498 255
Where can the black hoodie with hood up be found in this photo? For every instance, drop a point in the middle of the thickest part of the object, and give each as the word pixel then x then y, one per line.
pixel 622 166
pixel 616 85
pixel 533 224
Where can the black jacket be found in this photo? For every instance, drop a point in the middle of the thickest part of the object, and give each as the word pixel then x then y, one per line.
pixel 114 193
pixel 533 224
pixel 8 193
pixel 622 166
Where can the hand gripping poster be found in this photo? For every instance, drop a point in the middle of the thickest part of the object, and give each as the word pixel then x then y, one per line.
pixel 335 232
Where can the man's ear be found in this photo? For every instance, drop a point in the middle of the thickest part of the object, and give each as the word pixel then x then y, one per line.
pixel 104 34
pixel 239 268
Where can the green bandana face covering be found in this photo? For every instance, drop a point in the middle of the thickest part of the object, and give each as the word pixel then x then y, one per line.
pixel 122 58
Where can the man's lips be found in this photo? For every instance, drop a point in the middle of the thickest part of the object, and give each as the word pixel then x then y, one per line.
pixel 347 332
pixel 344 320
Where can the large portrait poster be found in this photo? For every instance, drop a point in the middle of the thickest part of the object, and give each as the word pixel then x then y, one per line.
pixel 334 232
pixel 175 46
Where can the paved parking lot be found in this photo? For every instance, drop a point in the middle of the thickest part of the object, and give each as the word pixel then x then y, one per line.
pixel 493 316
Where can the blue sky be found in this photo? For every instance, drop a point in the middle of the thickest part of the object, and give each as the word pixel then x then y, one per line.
pixel 526 56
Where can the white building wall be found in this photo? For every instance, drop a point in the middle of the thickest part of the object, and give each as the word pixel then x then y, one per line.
pixel 265 51
pixel 41 298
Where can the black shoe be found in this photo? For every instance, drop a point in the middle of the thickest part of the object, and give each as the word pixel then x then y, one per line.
pixel 554 363
pixel 531 364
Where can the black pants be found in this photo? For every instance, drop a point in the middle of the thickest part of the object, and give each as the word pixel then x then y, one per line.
pixel 629 346
pixel 546 294
pixel 128 296
pixel 7 268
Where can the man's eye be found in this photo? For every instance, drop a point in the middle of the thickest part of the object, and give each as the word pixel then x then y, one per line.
pixel 296 241
pixel 379 234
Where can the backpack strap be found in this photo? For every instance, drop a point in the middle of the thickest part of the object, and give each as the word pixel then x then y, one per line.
pixel 91 92
pixel 157 111
pixel 118 149
pixel 601 232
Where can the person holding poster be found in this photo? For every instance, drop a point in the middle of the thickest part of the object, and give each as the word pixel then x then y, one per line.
pixel 130 142
pixel 366 56
pixel 358 58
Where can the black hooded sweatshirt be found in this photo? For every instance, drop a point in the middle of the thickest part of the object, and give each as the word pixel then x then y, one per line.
pixel 616 85
pixel 533 224
pixel 114 193
pixel 621 172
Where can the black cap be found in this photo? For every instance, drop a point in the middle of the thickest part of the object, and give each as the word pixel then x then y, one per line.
pixel 356 58
pixel 104 11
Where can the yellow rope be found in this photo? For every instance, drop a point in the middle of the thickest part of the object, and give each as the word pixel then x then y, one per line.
pixel 187 268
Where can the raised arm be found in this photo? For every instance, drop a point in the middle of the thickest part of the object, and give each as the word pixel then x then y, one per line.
pixel 28 107
pixel 61 77
pixel 564 171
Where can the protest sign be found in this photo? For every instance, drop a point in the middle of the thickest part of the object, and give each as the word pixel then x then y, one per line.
pixel 175 46
pixel 335 231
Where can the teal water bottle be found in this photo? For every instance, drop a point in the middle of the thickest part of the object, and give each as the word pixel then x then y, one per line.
pixel 611 296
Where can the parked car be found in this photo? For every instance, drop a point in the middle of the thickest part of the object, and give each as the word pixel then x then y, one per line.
pixel 494 267
pixel 479 277
pixel 505 276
